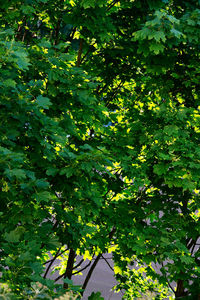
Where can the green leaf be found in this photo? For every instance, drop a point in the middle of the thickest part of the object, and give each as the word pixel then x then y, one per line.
pixel 22 59
pixel 52 171
pixel 10 83
pixel 14 235
pixel 86 147
pixel 160 14
pixel 92 3
pixel 176 33
pixel 159 35
pixel 171 130
pixel 43 196
pixel 43 102
pixel 142 34
pixel 27 9
pixel 160 169
pixel 67 172
pixel 40 183
pixel 187 259
pixel 173 20
pixel 95 296
pixel 67 69
pixel 18 173
pixel 156 48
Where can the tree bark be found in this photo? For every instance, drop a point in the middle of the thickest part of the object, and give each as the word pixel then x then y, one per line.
pixel 89 274
pixel 69 268
pixel 179 293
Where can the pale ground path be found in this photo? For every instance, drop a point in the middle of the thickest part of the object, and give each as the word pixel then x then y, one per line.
pixel 102 280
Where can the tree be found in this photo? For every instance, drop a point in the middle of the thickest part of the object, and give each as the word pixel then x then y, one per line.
pixel 100 140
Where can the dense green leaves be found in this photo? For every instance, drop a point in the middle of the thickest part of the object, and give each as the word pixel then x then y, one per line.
pixel 99 127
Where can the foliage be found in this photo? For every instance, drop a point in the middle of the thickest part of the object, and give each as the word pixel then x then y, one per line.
pixel 99 126
pixel 95 296
pixel 37 291
pixel 131 279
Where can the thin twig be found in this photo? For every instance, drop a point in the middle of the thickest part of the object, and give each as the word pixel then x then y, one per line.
pixel 52 261
pixel 112 4
pixel 80 262
pixel 89 274
pixel 59 277
pixel 82 268
pixel 107 262
pixel 90 48
pixel 168 280
pixel 115 91
pixel 46 262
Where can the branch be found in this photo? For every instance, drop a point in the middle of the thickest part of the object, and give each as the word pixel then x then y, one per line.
pixel 112 233
pixel 170 285
pixel 70 39
pixel 107 262
pixel 79 53
pixel 20 28
pixel 52 261
pixel 168 280
pixel 192 250
pixel 90 48
pixel 80 262
pixel 115 91
pixel 59 277
pixel 72 34
pixel 103 88
pixel 192 245
pixel 57 32
pixel 46 262
pixel 112 4
pixel 89 274
pixel 82 268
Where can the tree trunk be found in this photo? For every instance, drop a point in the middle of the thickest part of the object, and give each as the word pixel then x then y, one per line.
pixel 179 293
pixel 69 268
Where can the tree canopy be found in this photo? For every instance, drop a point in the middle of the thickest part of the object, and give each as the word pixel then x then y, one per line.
pixel 100 136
